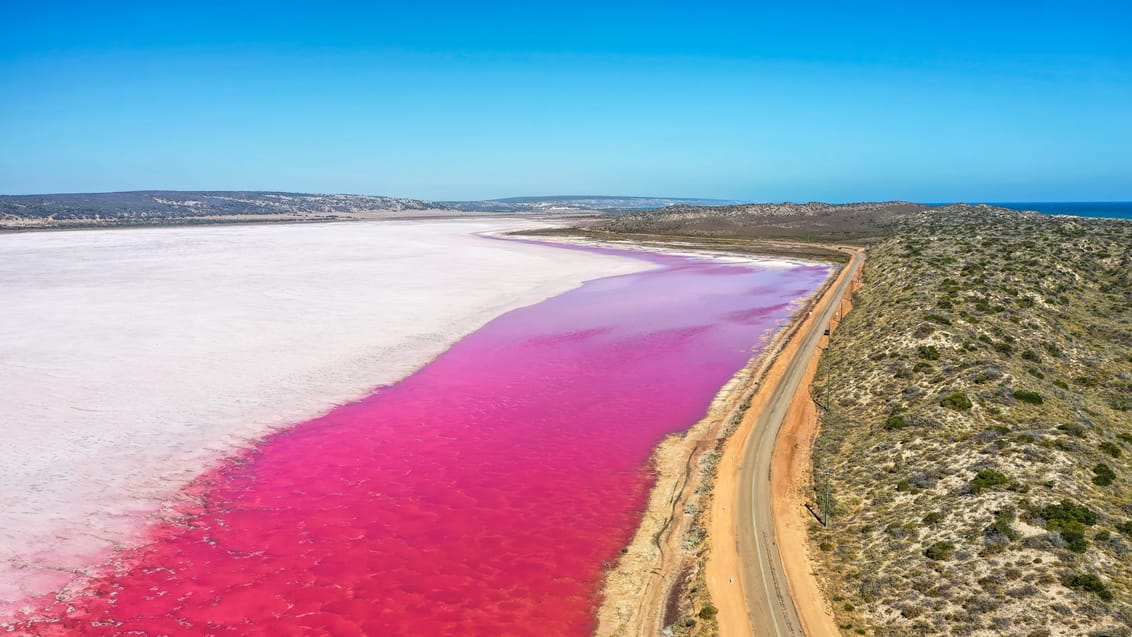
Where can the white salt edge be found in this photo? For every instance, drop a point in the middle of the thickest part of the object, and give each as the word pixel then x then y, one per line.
pixel 132 360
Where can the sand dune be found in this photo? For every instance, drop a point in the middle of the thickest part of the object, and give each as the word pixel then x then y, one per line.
pixel 131 359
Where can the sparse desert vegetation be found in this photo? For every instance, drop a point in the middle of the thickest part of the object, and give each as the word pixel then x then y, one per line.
pixel 978 432
pixel 976 425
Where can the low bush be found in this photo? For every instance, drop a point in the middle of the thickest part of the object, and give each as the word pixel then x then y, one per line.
pixel 1069 511
pixel 1120 402
pixel 1003 524
pixel 929 352
pixel 1103 475
pixel 957 401
pixel 1029 397
pixel 988 479
pixel 1073 533
pixel 1086 381
pixel 1090 583
pixel 1077 431
pixel 940 551
pixel 895 422
pixel 1110 449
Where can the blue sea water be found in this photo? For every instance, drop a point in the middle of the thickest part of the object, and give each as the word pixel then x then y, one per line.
pixel 1113 209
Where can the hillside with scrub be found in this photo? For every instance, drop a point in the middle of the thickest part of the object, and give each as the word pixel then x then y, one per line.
pixel 975 407
pixel 976 430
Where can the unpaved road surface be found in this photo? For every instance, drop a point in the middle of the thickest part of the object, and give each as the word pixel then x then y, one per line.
pixel 747 554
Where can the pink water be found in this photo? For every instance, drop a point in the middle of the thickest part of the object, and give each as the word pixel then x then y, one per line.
pixel 482 495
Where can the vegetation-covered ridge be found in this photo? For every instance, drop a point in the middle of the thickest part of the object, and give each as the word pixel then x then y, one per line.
pixel 813 221
pixel 977 429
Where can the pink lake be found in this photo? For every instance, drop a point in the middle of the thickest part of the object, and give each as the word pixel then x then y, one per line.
pixel 483 495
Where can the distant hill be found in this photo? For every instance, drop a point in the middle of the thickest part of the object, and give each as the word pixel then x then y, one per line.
pixel 158 204
pixel 577 202
pixel 157 207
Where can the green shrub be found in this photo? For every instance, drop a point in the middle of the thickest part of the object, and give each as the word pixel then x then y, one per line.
pixel 1125 527
pixel 936 318
pixel 1060 383
pixel 1110 449
pixel 1125 437
pixel 895 422
pixel 1030 397
pixel 929 352
pixel 934 518
pixel 1090 583
pixel 1073 533
pixel 1032 356
pixel 1076 431
pixel 1103 475
pixel 987 479
pixel 940 551
pixel 1120 402
pixel 708 612
pixel 1069 511
pixel 1003 524
pixel 957 401
pixel 1086 381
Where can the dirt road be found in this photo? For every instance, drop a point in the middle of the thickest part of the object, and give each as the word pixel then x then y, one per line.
pixel 745 574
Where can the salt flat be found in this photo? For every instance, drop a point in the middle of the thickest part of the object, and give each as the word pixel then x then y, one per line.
pixel 130 360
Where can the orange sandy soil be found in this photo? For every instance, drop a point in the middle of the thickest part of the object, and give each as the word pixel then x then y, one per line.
pixel 790 482
pixel 638 590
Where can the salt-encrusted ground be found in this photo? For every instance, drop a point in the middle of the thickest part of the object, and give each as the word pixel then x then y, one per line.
pixel 132 359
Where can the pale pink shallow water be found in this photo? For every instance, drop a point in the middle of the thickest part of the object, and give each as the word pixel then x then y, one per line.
pixel 480 496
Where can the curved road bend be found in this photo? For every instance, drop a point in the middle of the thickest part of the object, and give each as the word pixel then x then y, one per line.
pixel 769 607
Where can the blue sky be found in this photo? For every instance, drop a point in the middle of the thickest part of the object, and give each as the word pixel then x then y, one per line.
pixel 836 101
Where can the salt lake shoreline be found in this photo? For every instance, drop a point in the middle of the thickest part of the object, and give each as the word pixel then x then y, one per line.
pixel 652 582
pixel 629 605
pixel 79 542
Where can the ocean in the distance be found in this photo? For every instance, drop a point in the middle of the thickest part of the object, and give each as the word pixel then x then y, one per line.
pixel 1113 209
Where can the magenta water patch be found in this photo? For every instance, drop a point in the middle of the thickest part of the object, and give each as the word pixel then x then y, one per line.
pixel 483 495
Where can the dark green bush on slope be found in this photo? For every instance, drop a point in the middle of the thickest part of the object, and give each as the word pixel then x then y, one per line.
pixel 957 401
